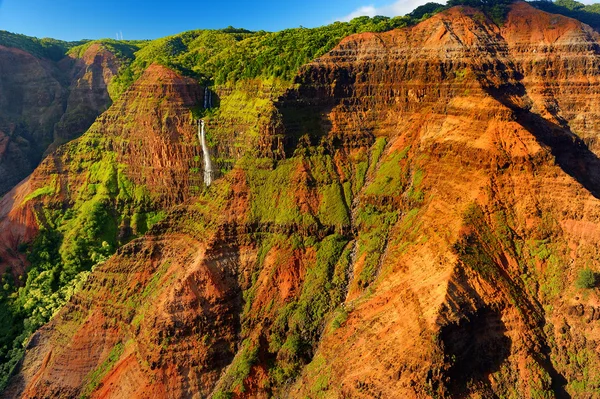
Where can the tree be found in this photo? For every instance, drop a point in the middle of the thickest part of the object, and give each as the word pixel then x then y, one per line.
pixel 570 4
pixel 586 279
pixel 426 9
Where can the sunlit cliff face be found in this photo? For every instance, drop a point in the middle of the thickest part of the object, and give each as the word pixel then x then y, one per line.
pixel 412 225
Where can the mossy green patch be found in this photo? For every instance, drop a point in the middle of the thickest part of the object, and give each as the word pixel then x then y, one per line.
pixel 333 210
pixel 95 377
pixel 391 177
pixel 299 324
pixel 239 370
pixel 48 190
pixel 273 194
pixel 374 228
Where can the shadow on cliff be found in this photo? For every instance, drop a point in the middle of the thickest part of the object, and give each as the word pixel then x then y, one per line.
pixel 572 155
pixel 475 347
pixel 570 151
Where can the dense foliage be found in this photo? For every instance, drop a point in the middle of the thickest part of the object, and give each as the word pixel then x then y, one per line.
pixel 589 14
pixel 70 244
pixel 230 55
pixel 44 48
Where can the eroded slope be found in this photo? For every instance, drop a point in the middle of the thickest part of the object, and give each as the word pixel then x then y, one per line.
pixel 417 233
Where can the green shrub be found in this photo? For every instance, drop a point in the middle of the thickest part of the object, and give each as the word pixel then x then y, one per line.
pixel 586 279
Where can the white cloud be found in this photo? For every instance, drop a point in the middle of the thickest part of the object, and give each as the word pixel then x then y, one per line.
pixel 399 8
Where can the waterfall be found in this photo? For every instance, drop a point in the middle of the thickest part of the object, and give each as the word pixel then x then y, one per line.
pixel 208 171
pixel 207 98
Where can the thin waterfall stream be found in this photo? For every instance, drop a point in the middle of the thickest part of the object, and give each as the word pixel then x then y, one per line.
pixel 208 169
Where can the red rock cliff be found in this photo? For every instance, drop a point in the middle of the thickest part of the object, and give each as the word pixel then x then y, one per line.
pixel 421 239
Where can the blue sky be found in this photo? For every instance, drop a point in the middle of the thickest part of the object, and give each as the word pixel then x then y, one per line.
pixel 136 19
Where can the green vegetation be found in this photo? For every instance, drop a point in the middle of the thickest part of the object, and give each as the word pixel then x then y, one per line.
pixel 489 241
pixel 476 249
pixel 427 10
pixel 71 242
pixel 30 306
pixel 394 182
pixel 42 48
pixel 391 177
pixel 240 369
pixel 374 227
pixel 496 10
pixel 589 14
pixel 298 325
pixel 50 189
pixel 273 195
pixel 274 191
pixel 95 377
pixel 333 210
pixel 586 279
pixel 339 319
pixel 322 381
pixel 230 55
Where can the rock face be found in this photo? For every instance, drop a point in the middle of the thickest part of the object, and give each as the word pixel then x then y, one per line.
pixel 158 140
pixel 417 233
pixel 89 77
pixel 147 140
pixel 44 103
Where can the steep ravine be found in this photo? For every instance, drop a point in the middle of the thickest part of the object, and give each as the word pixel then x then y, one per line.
pixel 45 103
pixel 412 227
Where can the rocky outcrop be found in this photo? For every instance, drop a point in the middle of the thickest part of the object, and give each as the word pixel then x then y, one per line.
pixel 417 234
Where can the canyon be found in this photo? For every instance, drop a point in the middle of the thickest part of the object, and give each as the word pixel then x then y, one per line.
pixel 46 103
pixel 408 219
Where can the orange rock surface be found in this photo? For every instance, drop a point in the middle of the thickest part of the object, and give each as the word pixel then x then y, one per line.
pixel 455 253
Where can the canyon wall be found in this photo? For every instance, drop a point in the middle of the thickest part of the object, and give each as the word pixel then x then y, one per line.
pixel 410 223
pixel 45 103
